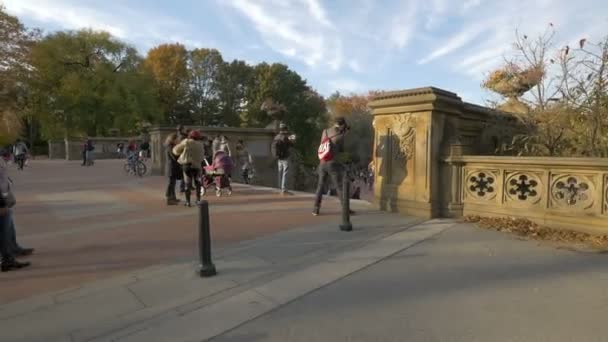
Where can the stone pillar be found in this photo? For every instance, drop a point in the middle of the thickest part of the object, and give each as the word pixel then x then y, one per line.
pixel 416 132
pixel 158 135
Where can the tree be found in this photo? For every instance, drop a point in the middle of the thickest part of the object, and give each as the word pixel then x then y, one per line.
pixel 205 66
pixel 305 111
pixel 15 44
pixel 87 82
pixel 559 95
pixel 168 63
pixel 359 117
pixel 233 84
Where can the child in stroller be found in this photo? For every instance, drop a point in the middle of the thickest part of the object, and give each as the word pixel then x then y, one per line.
pixel 218 174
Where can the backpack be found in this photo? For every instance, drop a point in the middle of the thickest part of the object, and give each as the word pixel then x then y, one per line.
pixel 324 151
pixel 281 148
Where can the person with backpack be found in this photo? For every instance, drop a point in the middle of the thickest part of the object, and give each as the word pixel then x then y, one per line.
pixel 20 152
pixel 190 152
pixel 281 146
pixel 330 167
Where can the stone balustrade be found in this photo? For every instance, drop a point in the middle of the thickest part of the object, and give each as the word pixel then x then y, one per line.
pixel 557 192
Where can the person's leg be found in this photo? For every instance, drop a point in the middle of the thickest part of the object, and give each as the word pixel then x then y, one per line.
pixel 284 176
pixel 320 187
pixel 280 174
pixel 187 185
pixel 5 250
pixel 197 183
pixel 6 256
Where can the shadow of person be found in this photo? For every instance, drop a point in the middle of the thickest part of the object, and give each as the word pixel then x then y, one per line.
pixel 393 170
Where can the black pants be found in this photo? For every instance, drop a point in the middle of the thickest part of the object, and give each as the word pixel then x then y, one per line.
pixel 170 193
pixel 192 178
pixel 329 171
pixel 6 237
pixel 20 161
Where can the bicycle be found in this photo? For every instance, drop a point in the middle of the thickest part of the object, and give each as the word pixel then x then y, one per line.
pixel 135 166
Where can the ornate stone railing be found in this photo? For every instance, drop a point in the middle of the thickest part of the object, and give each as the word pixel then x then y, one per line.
pixel 558 192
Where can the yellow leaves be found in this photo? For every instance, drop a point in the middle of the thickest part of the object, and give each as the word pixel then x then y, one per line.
pixel 526 228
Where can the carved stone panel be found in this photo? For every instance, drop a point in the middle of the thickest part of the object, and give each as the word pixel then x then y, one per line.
pixel 481 185
pixel 606 195
pixel 572 191
pixel 523 188
pixel 405 132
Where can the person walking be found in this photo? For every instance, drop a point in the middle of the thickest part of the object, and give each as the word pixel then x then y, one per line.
pixel 244 160
pixel 9 248
pixel 330 167
pixel 20 152
pixel 190 152
pixel 90 152
pixel 281 146
pixel 224 146
pixel 172 169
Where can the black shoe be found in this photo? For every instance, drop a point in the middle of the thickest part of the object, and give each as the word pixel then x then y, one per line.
pixel 13 265
pixel 351 212
pixel 24 252
pixel 188 204
pixel 172 201
pixel 315 212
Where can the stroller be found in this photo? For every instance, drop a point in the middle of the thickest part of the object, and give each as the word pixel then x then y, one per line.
pixel 217 174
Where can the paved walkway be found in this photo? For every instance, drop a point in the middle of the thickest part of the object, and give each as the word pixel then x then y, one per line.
pixel 88 224
pixel 393 278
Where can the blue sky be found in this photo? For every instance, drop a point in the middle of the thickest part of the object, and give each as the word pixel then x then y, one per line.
pixel 345 45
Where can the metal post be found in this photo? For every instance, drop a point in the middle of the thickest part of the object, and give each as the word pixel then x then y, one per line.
pixel 346 226
pixel 207 269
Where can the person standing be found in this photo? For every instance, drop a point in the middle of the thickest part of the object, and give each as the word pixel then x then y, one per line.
pixel 172 169
pixel 182 134
pixel 8 242
pixel 20 151
pixel 90 152
pixel 330 167
pixel 281 146
pixel 244 160
pixel 224 146
pixel 190 152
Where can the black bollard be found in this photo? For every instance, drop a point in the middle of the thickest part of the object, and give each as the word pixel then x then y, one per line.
pixel 346 226
pixel 207 269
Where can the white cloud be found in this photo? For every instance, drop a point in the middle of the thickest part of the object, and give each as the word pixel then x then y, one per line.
pixel 346 85
pixel 457 41
pixel 404 25
pixel 131 25
pixel 284 29
pixel 470 4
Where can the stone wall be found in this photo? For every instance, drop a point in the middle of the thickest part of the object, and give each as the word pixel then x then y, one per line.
pixel 414 129
pixel 105 148
pixel 257 140
pixel 434 156
pixel 557 192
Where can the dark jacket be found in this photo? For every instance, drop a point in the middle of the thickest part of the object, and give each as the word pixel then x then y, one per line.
pixel 172 167
pixel 284 138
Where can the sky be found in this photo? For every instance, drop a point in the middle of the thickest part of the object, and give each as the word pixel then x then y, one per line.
pixel 351 46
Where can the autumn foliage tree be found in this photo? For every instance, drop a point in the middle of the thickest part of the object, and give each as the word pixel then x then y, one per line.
pixel 168 63
pixel 15 44
pixel 354 108
pixel 559 94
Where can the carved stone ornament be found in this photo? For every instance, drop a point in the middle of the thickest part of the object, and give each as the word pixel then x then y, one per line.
pixel 523 187
pixel 572 191
pixel 404 128
pixel 481 184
